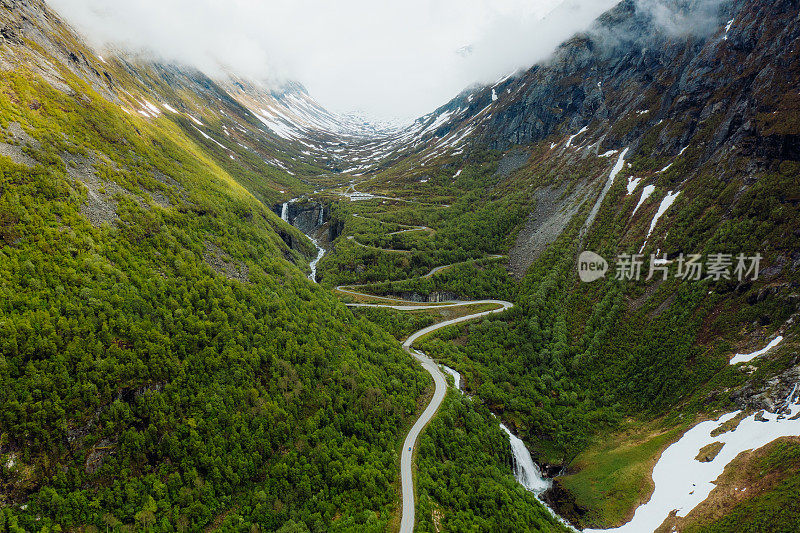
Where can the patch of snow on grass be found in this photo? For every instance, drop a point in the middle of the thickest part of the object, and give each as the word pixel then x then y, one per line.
pixel 277 127
pixel 745 357
pixel 618 166
pixel 569 141
pixel 646 192
pixel 668 200
pixel 153 109
pixel 682 483
pixel 632 183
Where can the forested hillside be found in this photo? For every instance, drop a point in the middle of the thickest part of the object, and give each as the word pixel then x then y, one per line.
pixel 633 139
pixel 164 362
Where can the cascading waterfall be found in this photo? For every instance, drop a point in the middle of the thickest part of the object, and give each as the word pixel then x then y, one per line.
pixel 313 264
pixel 320 249
pixel 525 470
pixel 528 474
pixel 456 376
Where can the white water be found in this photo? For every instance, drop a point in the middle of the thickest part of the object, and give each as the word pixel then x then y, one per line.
pixel 320 250
pixel 456 376
pixel 525 470
pixel 313 264
pixel 529 475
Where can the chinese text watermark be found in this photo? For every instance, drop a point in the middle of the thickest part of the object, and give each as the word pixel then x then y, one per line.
pixel 689 267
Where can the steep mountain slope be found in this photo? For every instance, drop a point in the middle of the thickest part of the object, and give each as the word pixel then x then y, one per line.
pixel 641 136
pixel 166 365
pixel 164 362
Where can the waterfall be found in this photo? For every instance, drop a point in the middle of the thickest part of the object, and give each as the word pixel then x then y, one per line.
pixel 525 470
pixel 320 220
pixel 529 475
pixel 313 264
pixel 285 212
pixel 456 376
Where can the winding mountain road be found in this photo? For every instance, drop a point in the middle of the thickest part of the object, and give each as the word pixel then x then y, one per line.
pixel 440 383
pixel 410 443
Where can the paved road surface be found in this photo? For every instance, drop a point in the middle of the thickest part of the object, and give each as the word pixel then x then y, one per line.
pixel 410 443
pixel 406 479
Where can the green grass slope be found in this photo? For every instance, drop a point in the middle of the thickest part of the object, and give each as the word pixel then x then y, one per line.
pixel 164 363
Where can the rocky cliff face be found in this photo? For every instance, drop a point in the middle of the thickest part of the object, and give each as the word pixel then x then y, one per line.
pixel 734 62
pixel 631 66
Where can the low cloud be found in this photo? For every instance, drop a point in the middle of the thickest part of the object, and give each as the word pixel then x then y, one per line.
pixel 387 59
pixel 683 17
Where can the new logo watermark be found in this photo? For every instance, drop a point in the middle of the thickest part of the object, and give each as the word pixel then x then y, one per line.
pixel 591 267
pixel 690 267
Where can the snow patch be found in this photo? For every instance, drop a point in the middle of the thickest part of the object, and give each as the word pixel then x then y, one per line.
pixel 646 192
pixel 609 182
pixel 569 141
pixel 745 357
pixel 682 483
pixel 728 28
pixel 664 169
pixel 668 200
pixel 632 183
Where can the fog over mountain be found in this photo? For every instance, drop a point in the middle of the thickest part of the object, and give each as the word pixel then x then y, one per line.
pixel 389 59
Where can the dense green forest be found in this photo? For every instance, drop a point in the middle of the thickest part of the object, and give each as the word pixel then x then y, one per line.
pixel 572 360
pixel 165 365
pixel 148 387
pixel 467 229
pixel 465 481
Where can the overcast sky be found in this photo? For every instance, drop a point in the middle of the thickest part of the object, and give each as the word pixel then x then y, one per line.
pixel 385 58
